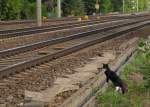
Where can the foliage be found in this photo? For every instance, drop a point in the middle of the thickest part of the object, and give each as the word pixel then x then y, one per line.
pixel 116 5
pixel 140 64
pixel 90 6
pixel 19 9
pixel 129 5
pixel 138 93
pixel 10 9
pixel 72 7
pixel 106 6
pixel 113 99
pixel 26 9
pixel 144 47
pixel 142 5
pixel 50 5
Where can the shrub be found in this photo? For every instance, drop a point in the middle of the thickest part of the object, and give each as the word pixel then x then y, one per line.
pixel 144 48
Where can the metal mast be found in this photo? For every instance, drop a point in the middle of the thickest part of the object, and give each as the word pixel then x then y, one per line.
pixel 58 8
pixel 123 6
pixel 137 5
pixel 38 13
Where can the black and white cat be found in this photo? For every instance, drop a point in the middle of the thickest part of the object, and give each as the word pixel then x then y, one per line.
pixel 111 75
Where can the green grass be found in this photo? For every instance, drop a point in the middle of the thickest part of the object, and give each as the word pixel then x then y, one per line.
pixel 138 94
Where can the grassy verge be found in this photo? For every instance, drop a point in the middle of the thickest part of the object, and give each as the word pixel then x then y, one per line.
pixel 137 75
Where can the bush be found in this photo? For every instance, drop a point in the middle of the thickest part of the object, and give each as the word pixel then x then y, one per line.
pixel 144 48
pixel 113 99
pixel 73 8
pixel 10 9
pixel 138 89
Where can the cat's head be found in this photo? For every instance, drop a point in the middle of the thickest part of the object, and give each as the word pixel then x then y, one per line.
pixel 105 66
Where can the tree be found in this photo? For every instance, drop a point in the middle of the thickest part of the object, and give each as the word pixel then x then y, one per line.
pixel 10 9
pixel 3 9
pixel 73 7
pixel 90 6
pixel 19 9
pixel 50 5
pixel 117 5
pixel 26 9
pixel 106 6
pixel 143 5
pixel 129 5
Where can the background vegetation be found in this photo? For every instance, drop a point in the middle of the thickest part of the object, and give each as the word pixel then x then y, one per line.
pixel 25 9
pixel 137 76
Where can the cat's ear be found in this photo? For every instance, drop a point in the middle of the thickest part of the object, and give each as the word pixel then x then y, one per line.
pixel 107 65
pixel 104 64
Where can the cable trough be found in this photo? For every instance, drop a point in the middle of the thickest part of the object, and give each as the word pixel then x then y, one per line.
pixel 68 49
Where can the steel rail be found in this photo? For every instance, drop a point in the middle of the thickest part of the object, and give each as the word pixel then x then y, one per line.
pixel 11 22
pixel 37 45
pixel 5 72
pixel 28 31
pixel 49 20
pixel 33 30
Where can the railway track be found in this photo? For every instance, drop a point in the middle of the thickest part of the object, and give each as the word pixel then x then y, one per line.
pixel 41 44
pixel 48 20
pixel 35 30
pixel 24 40
pixel 15 71
pixel 59 19
pixel 34 21
pixel 36 54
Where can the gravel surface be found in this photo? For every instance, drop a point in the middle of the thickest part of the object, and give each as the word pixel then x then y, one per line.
pixel 20 26
pixel 18 41
pixel 42 77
